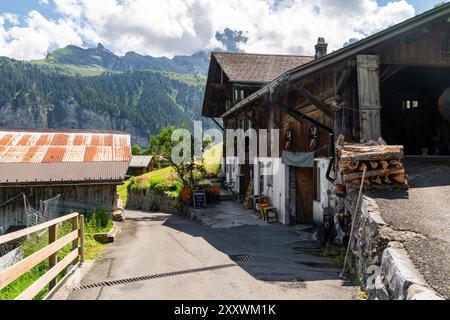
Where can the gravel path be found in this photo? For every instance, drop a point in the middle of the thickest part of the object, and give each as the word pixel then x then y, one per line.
pixel 425 209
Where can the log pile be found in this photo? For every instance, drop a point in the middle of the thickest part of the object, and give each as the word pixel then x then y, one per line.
pixel 383 164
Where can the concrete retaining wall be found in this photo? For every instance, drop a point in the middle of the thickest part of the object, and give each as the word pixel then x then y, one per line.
pixel 154 201
pixel 379 260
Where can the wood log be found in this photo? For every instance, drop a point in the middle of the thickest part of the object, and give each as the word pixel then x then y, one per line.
pixel 367 182
pixel 362 166
pixel 384 165
pixel 372 149
pixel 372 173
pixel 348 166
pixel 370 153
pixel 377 180
pixel 374 164
pixel 356 181
pixel 386 180
pixel 396 163
pixel 399 178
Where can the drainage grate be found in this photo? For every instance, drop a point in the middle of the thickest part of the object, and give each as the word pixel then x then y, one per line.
pixel 241 258
pixel 151 277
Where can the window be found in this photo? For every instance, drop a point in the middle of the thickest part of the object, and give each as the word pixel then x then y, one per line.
pixel 238 95
pixel 445 46
pixel 409 104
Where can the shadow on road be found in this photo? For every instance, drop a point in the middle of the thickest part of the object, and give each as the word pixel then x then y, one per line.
pixel 274 253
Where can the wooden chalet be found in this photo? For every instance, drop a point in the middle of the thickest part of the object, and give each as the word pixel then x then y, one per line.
pixel 392 85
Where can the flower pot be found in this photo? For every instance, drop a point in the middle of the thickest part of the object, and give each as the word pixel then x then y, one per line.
pixel 341 190
pixel 186 195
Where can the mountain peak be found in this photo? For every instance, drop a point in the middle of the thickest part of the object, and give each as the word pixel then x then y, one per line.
pixel 131 61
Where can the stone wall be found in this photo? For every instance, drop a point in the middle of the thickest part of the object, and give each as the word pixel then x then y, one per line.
pixel 155 201
pixel 380 262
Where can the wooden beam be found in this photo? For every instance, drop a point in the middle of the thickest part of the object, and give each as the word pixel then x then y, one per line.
pixel 53 259
pixel 316 102
pixel 343 79
pixel 81 237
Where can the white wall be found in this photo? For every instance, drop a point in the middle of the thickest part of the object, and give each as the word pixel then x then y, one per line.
pixel 232 171
pixel 324 186
pixel 275 186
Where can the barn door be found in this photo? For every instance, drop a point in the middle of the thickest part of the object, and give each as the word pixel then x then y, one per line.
pixel 292 195
pixel 305 194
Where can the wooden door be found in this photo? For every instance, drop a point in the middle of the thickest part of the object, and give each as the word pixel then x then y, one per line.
pixel 305 195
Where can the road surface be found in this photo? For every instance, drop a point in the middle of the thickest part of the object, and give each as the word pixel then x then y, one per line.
pixel 160 256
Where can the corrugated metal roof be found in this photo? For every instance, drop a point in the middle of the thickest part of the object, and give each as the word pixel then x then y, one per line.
pixel 27 146
pixel 140 161
pixel 54 173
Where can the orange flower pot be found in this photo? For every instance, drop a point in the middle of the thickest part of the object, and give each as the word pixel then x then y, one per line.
pixel 186 195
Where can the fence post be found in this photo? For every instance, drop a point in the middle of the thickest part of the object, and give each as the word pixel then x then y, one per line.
pixel 75 242
pixel 81 236
pixel 53 259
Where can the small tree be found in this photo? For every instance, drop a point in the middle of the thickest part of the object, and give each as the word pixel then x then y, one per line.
pixel 191 171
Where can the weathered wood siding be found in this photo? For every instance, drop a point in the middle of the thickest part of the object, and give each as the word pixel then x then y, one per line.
pixel 74 198
pixel 368 70
pixel 422 47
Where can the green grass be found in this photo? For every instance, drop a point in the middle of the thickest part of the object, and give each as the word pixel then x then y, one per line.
pixel 71 70
pixel 212 158
pixel 166 180
pixel 188 78
pixel 123 192
pixel 96 221
pixel 162 180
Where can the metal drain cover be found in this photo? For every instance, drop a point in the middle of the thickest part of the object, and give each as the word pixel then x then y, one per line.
pixel 241 258
pixel 151 277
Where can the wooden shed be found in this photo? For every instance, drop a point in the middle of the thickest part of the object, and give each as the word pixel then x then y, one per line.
pixel 140 165
pixel 82 168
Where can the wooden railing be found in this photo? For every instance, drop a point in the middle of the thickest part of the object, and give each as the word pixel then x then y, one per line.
pixel 50 252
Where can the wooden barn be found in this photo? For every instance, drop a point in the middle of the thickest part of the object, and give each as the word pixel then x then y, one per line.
pixel 140 165
pixel 81 168
pixel 393 84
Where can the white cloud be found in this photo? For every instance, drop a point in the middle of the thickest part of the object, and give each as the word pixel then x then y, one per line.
pixel 169 27
pixel 38 36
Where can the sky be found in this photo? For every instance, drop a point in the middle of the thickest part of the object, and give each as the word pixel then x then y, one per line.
pixel 29 29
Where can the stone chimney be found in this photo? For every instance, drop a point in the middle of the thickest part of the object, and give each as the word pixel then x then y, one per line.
pixel 321 48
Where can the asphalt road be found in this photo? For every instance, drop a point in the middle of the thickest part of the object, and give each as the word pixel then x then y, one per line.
pixel 161 256
pixel 425 209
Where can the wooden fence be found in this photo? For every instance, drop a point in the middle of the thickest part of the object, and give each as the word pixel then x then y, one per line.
pixel 50 252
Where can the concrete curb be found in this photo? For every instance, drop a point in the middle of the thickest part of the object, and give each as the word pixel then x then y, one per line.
pixel 398 279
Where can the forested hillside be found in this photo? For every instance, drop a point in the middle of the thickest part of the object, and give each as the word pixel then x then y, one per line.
pixel 140 102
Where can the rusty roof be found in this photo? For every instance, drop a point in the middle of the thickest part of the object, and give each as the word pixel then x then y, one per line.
pixel 257 68
pixel 51 146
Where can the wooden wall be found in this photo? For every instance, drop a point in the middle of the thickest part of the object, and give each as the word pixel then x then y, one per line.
pixel 419 47
pixel 74 198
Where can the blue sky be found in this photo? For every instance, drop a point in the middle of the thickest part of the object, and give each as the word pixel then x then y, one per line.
pixel 29 29
pixel 419 5
pixel 22 7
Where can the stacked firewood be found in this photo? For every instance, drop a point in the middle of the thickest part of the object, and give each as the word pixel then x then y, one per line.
pixel 383 164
